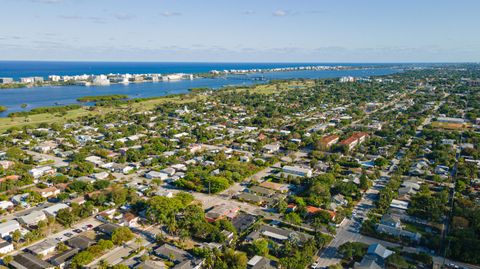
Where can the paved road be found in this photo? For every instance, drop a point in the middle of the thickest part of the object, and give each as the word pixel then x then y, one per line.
pixel 60 236
pixel 350 230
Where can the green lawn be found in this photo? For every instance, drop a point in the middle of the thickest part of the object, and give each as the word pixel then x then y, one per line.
pixel 33 120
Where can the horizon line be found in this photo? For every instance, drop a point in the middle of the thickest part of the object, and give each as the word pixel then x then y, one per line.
pixel 259 62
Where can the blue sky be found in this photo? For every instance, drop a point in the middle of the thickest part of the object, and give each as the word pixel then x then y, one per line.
pixel 241 30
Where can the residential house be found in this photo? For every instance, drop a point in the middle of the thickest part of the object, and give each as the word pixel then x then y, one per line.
pixel 243 221
pixel 259 262
pixel 8 227
pixel 222 211
pixel 6 164
pixel 180 258
pixel 278 235
pixel 129 220
pixel 278 187
pixel 392 226
pixel 261 191
pixel 41 171
pixel 297 171
pixel 43 248
pixel 80 242
pixel 156 175
pixel 5 205
pixel 48 192
pixel 100 175
pixel 252 198
pixel 52 211
pixel 29 261
pixel 32 218
pixel 271 148
pixel 312 210
pixel 375 257
pixel 149 264
pixel 6 247
pixel 108 228
pixel 61 259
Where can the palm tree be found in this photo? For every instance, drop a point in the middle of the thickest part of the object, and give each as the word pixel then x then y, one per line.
pixel 138 241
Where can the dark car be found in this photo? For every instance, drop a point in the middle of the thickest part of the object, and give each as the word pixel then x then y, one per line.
pixel 68 234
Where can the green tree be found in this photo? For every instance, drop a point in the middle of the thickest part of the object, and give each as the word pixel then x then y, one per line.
pixel 293 218
pixel 66 217
pixel 7 259
pixel 122 235
pixel 260 247
pixel 397 261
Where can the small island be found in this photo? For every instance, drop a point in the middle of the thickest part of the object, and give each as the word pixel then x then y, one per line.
pixel 102 98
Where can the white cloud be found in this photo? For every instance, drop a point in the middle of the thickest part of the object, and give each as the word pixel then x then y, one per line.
pixel 170 14
pixel 280 13
pixel 48 1
pixel 76 17
pixel 123 16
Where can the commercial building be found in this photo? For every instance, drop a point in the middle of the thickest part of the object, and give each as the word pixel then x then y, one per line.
pixel 354 140
pixel 328 141
pixel 6 80
pixel 451 120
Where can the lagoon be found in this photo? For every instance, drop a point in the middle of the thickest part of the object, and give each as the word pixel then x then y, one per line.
pixel 64 95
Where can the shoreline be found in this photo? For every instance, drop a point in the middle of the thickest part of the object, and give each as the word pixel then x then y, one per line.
pixel 88 80
pixel 26 99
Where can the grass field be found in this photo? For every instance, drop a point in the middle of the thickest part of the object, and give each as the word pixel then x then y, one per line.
pixel 33 120
pixel 450 126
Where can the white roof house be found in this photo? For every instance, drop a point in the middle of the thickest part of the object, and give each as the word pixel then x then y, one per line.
pixel 53 210
pixel 179 167
pixel 6 247
pixel 271 148
pixel 5 204
pixel 169 171
pixel 399 204
pixel 298 171
pixel 9 227
pixel 95 160
pixel 32 218
pixel 43 248
pixel 155 174
pixel 40 171
pixel 101 175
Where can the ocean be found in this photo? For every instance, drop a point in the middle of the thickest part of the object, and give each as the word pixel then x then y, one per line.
pixel 17 69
